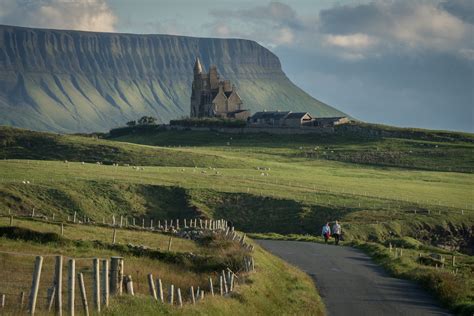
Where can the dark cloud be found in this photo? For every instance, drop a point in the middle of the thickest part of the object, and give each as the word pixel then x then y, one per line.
pixel 351 19
pixel 275 12
pixel 463 9
pixel 406 63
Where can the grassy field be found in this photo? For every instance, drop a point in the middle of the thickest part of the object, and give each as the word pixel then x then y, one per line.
pixel 255 292
pixel 381 188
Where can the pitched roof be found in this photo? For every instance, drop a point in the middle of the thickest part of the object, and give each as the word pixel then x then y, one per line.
pixel 268 115
pixel 197 66
pixel 329 119
pixel 297 115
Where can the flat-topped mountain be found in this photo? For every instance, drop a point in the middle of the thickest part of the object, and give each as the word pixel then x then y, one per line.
pixel 73 81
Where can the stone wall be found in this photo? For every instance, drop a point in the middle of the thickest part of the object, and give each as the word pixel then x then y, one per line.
pixel 253 130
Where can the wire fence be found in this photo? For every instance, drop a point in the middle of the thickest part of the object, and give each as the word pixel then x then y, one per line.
pixel 16 275
pixel 23 288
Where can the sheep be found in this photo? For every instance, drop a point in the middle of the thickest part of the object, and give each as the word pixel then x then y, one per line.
pixel 83 163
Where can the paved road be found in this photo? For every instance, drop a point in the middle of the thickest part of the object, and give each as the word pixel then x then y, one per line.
pixel 351 284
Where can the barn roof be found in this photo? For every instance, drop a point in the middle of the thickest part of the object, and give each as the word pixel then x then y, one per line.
pixel 297 115
pixel 267 115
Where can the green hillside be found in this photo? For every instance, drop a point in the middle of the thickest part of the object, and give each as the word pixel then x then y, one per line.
pixel 72 81
pixel 273 186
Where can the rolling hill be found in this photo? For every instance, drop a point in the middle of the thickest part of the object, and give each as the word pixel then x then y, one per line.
pixel 73 81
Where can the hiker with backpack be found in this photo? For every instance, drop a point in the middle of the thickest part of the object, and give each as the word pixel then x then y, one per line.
pixel 326 233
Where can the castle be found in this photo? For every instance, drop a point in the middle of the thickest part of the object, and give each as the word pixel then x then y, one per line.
pixel 212 97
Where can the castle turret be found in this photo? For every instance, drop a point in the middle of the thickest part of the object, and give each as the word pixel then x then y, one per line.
pixel 197 66
pixel 213 77
pixel 211 96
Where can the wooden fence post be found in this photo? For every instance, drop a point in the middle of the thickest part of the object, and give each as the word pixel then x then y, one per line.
pixel 229 276
pixel 453 260
pixel 22 300
pixel 171 294
pixel 169 243
pixel 180 300
pixel 221 285
pixel 121 221
pixel 191 293
pixel 211 287
pixel 114 236
pixel 96 284
pixel 120 275
pixel 2 303
pixel 58 284
pixel 50 297
pixel 151 285
pixel 226 289
pixel 105 282
pixel 62 229
pixel 35 284
pixel 160 290
pixel 82 288
pixel 71 284
pixel 11 220
pixel 115 276
pixel 129 285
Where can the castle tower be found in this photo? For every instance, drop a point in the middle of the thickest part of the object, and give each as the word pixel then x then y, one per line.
pixel 197 67
pixel 213 77
pixel 196 89
pixel 211 96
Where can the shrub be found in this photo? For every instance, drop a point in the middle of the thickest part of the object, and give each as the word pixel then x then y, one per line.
pixel 209 122
pixel 449 288
pixel 405 242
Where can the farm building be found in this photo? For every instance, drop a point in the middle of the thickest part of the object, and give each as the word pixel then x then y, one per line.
pixel 297 119
pixel 292 119
pixel 269 118
pixel 329 121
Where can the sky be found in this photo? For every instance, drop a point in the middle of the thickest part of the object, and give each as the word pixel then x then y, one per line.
pixel 403 63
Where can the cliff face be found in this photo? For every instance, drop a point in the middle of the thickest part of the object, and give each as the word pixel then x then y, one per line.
pixel 71 81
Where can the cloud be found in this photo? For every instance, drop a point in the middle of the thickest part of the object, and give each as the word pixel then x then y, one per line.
pixel 272 25
pixel 356 31
pixel 463 9
pixel 352 41
pixel 90 15
pixel 401 25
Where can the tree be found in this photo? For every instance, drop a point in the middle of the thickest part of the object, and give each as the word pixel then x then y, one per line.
pixel 147 120
pixel 131 123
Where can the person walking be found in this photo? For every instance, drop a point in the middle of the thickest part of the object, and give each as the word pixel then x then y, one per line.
pixel 326 233
pixel 336 231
